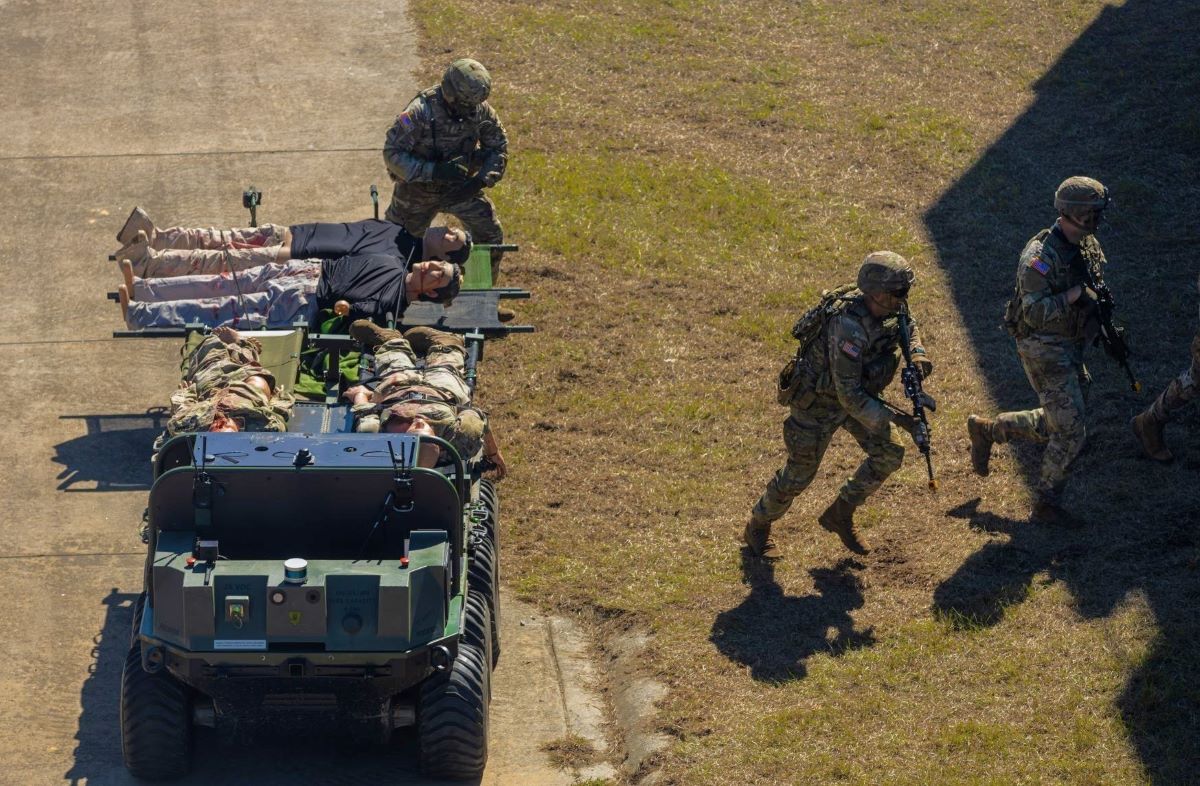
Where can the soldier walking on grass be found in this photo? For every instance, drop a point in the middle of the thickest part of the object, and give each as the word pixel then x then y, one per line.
pixel 1052 315
pixel 443 150
pixel 849 352
pixel 1148 426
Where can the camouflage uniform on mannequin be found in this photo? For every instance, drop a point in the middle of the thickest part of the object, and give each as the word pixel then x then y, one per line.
pixel 1052 317
pixel 1148 426
pixel 223 382
pixel 443 150
pixel 436 394
pixel 837 380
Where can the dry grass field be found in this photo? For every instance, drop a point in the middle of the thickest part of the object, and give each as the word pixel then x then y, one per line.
pixel 685 177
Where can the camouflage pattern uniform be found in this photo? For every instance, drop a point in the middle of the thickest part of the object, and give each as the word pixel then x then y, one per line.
pixel 1050 334
pixel 840 374
pixel 215 381
pixel 438 393
pixel 853 360
pixel 432 131
pixel 1148 426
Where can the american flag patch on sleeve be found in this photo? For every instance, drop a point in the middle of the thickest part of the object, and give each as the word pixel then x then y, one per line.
pixel 406 121
pixel 851 349
pixel 1038 264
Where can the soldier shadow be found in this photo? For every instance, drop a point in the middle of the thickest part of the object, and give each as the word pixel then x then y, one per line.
pixel 774 633
pixel 114 454
pixel 1121 104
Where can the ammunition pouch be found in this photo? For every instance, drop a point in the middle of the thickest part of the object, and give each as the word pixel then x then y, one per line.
pixel 796 384
pixel 1012 318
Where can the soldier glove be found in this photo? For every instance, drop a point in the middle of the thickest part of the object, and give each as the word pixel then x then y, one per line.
pixel 924 365
pixel 452 171
pixel 1088 300
pixel 906 422
pixel 466 190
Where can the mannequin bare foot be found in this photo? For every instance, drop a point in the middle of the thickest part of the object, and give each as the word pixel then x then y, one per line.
pixel 123 297
pixel 127 274
pixel 226 334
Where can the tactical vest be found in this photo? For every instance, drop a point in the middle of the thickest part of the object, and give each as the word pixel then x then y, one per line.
pixel 1061 277
pixel 794 376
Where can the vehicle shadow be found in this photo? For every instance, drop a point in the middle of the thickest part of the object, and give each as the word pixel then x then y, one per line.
pixel 774 633
pixel 1121 104
pixel 114 454
pixel 315 757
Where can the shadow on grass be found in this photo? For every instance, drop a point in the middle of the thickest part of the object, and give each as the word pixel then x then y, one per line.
pixel 114 455
pixel 1122 104
pixel 774 633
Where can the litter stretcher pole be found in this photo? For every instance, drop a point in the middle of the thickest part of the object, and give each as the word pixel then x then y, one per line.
pixel 251 199
pixel 474 341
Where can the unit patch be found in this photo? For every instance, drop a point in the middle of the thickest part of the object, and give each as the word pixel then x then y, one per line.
pixel 406 121
pixel 1038 264
pixel 851 349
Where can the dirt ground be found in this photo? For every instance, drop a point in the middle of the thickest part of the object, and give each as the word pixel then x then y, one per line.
pixel 176 107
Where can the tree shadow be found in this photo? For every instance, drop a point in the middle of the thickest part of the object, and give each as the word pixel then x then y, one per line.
pixel 774 633
pixel 1001 573
pixel 114 454
pixel 1122 104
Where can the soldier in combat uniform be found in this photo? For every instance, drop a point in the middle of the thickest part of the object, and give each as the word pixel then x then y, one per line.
pixel 443 150
pixel 839 377
pixel 1052 317
pixel 1148 426
pixel 225 388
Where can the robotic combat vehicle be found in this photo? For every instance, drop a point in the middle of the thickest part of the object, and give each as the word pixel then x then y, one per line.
pixel 319 577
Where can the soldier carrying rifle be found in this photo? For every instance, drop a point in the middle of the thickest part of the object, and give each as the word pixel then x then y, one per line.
pixel 850 349
pixel 1060 302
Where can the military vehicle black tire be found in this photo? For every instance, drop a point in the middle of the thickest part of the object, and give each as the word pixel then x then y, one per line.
pixel 452 717
pixel 482 578
pixel 156 721
pixel 491 499
pixel 478 624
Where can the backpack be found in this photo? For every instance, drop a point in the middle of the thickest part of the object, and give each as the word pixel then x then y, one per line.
pixel 793 375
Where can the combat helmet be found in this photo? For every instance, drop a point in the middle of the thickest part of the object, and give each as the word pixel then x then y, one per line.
pixel 466 83
pixel 885 272
pixel 1078 193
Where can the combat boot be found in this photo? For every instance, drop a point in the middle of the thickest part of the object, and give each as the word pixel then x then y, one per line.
pixel 980 431
pixel 370 335
pixel 136 250
pixel 138 221
pixel 1149 430
pixel 838 518
pixel 1047 511
pixel 424 340
pixel 757 536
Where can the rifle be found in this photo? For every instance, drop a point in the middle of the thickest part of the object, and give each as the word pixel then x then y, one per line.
pixel 1110 335
pixel 910 377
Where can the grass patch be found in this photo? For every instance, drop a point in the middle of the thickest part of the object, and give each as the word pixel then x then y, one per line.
pixel 570 752
pixel 686 177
